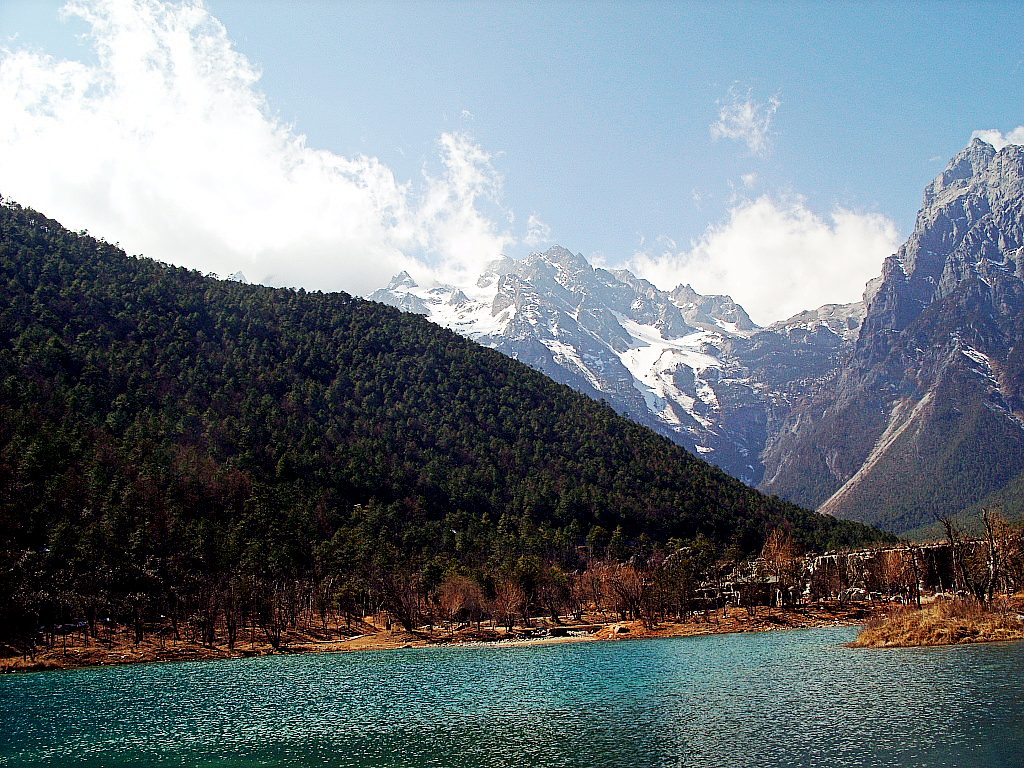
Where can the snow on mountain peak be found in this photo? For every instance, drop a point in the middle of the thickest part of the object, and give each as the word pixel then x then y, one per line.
pixel 676 362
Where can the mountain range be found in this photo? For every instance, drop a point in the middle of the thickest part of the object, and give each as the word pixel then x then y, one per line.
pixel 694 368
pixel 892 410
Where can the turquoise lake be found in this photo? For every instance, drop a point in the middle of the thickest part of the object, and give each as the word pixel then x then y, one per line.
pixel 795 698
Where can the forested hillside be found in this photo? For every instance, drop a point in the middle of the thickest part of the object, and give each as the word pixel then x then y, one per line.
pixel 165 435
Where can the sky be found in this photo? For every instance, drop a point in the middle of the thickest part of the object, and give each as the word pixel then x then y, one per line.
pixel 774 152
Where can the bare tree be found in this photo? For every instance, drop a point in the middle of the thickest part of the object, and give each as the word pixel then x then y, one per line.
pixel 953 536
pixel 232 600
pixel 625 584
pixel 1002 549
pixel 458 594
pixel 553 591
pixel 578 590
pixel 595 578
pixel 779 556
pixel 400 590
pixel 508 603
pixel 1010 542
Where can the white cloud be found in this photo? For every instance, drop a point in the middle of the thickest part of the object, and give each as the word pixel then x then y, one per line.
pixel 447 225
pixel 749 180
pixel 167 146
pixel 537 232
pixel 998 139
pixel 776 257
pixel 742 118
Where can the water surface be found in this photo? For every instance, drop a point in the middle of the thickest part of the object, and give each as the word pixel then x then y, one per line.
pixel 795 698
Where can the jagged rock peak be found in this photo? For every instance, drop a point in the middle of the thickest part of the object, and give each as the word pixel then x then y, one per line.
pixel 684 294
pixel 559 256
pixel 639 284
pixel 1005 174
pixel 402 280
pixel 979 183
pixel 716 308
pixel 931 391
pixel 968 163
pixel 723 307
pixel 458 298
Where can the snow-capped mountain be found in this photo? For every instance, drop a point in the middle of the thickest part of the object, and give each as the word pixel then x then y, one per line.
pixel 692 367
pixel 907 405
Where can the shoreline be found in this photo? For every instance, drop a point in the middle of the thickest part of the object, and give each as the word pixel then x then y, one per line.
pixel 737 620
pixel 944 623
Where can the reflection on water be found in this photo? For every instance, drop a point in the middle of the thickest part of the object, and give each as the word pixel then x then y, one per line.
pixel 782 699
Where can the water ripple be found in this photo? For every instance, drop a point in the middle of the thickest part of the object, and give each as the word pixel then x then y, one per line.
pixel 781 699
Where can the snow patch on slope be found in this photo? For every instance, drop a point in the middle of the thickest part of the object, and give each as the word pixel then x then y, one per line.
pixel 564 353
pixel 980 358
pixel 655 360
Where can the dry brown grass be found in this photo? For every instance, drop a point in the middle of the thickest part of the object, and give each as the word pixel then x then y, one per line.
pixel 943 622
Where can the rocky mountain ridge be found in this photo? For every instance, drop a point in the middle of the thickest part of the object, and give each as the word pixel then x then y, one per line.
pixel 893 410
pixel 692 367
pixel 926 416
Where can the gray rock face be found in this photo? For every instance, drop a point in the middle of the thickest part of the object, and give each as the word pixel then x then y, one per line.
pixel 694 368
pixel 925 417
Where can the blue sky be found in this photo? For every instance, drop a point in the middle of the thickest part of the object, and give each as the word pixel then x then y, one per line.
pixel 773 151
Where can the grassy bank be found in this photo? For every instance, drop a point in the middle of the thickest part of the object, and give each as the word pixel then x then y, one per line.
pixel 943 622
